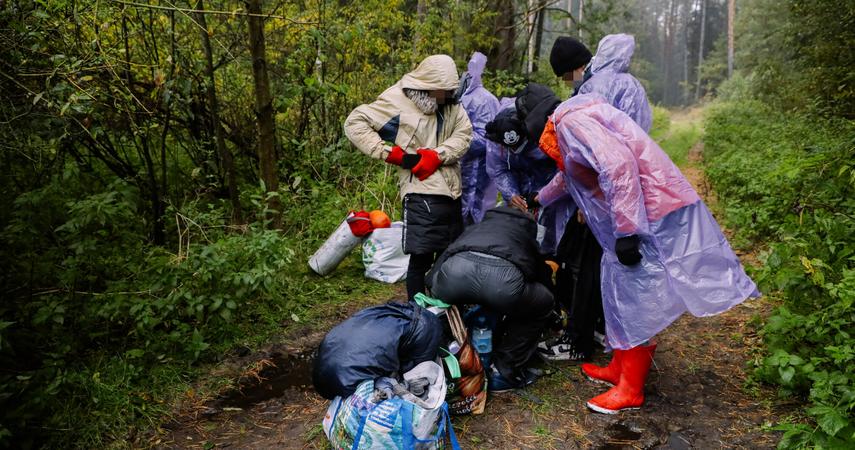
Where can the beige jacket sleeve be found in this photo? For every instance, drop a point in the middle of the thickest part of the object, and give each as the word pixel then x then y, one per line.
pixel 452 149
pixel 360 128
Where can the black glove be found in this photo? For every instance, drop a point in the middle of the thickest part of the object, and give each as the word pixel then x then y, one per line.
pixel 530 200
pixel 626 249
pixel 409 161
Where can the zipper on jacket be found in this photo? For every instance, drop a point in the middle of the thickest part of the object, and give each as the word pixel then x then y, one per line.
pixel 439 123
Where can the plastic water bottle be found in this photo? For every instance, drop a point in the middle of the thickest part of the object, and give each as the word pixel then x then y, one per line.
pixel 482 340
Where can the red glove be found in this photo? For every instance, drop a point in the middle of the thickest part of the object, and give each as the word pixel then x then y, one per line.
pixel 427 165
pixel 396 156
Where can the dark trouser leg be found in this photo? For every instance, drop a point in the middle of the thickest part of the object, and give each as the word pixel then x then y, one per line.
pixel 590 302
pixel 579 285
pixel 431 223
pixel 516 339
pixel 419 264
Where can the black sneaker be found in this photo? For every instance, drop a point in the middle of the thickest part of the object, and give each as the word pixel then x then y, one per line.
pixel 497 384
pixel 562 349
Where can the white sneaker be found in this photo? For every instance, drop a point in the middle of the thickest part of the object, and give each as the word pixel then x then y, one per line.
pixel 601 339
pixel 561 349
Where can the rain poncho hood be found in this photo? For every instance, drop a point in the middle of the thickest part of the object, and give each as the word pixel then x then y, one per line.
pixel 611 79
pixel 626 185
pixel 614 54
pixel 479 191
pixel 394 119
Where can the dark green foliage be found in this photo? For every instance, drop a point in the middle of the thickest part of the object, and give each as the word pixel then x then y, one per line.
pixel 789 181
pixel 112 325
pixel 121 269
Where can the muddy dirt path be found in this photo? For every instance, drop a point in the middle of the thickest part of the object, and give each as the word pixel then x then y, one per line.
pixel 697 396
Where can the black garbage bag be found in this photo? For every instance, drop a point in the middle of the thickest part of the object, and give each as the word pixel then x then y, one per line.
pixel 377 341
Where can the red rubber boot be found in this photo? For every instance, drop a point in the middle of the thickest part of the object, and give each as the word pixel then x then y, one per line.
pixel 606 375
pixel 629 392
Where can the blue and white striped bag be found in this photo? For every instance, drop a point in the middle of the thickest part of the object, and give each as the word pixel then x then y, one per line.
pixel 356 422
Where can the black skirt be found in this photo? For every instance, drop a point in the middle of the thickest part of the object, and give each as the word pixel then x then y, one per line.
pixel 431 223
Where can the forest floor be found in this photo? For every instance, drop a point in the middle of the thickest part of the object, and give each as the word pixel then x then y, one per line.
pixel 698 394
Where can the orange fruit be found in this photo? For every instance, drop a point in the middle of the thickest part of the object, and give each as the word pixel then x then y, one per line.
pixel 379 219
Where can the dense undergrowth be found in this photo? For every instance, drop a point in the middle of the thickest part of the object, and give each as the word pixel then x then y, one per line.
pixel 787 181
pixel 116 326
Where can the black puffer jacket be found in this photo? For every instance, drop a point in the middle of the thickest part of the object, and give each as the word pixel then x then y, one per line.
pixel 507 233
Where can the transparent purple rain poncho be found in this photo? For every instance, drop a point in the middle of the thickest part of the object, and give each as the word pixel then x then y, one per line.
pixel 525 172
pixel 611 79
pixel 479 192
pixel 625 184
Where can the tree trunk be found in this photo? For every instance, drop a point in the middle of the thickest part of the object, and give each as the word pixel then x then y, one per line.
pixel 264 111
pixel 701 48
pixel 538 41
pixel 501 56
pixel 731 16
pixel 158 229
pixel 421 10
pixel 530 19
pixel 581 17
pixel 568 23
pixel 226 158
pixel 668 55
pixel 686 88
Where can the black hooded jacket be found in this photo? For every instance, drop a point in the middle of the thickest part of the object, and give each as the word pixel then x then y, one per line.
pixel 534 104
pixel 507 233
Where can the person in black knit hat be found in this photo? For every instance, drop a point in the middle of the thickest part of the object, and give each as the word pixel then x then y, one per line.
pixel 569 58
pixel 579 254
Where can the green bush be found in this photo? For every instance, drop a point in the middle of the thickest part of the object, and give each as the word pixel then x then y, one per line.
pixel 787 180
pixel 661 123
pixel 124 323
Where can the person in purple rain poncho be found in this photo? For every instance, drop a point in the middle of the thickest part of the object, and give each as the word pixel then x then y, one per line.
pixel 479 191
pixel 579 254
pixel 608 75
pixel 519 168
pixel 663 252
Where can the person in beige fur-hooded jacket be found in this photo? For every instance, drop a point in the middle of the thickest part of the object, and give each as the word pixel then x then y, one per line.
pixel 417 126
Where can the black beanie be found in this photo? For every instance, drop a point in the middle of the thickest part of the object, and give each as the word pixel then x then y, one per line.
pixel 568 54
pixel 506 129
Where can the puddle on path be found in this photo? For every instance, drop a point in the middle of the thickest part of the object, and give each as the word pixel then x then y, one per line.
pixel 286 372
pixel 620 436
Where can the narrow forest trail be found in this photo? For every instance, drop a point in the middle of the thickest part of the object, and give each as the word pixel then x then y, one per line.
pixel 697 395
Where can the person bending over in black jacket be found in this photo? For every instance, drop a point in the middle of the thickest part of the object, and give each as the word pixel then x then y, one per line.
pixel 496 264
